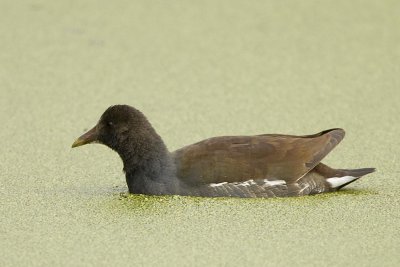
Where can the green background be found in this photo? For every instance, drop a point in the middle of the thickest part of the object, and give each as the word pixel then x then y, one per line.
pixel 197 69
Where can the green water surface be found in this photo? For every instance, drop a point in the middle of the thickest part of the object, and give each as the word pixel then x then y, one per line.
pixel 197 69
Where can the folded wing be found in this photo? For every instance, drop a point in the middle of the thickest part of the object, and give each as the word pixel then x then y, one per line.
pixel 241 158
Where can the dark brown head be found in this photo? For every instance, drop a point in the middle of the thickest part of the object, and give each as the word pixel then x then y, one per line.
pixel 120 127
pixel 144 155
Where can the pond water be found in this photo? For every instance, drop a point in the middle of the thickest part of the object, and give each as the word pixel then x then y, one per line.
pixel 196 70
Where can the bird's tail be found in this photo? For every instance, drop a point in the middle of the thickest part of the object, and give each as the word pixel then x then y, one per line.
pixel 344 177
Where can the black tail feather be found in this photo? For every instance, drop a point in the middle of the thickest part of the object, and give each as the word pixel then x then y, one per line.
pixel 358 172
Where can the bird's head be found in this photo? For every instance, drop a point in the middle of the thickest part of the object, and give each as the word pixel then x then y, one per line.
pixel 116 126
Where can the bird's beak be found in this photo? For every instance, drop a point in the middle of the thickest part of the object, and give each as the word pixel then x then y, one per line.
pixel 87 138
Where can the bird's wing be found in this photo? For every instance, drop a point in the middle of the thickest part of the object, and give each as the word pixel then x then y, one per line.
pixel 241 158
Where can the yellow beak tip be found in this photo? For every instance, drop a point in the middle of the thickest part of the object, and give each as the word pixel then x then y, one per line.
pixel 77 143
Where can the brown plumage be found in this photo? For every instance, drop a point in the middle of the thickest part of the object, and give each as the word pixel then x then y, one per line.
pixel 265 165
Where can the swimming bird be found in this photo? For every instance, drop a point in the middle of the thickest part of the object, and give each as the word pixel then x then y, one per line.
pixel 266 165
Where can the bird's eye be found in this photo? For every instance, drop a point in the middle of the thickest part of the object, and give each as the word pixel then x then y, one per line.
pixel 110 123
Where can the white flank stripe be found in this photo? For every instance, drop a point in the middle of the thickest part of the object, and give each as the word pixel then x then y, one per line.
pixel 338 181
pixel 274 182
pixel 251 182
pixel 219 184
pixel 246 183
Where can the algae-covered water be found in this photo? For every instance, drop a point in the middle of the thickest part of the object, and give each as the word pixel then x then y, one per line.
pixel 197 69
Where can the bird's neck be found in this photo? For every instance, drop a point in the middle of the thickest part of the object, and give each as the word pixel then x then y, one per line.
pixel 145 163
